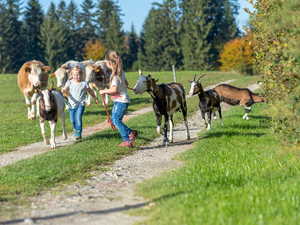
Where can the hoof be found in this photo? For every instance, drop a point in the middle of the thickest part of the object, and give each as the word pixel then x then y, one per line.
pixel 47 142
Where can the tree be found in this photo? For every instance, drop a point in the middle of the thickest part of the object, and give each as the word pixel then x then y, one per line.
pixel 115 34
pixel 54 40
pixel 238 55
pixel 11 38
pixel 94 50
pixel 33 18
pixel 104 12
pixel 87 21
pixel 151 47
pixel 132 48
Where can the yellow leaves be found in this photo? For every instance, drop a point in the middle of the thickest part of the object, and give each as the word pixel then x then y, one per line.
pixel 94 50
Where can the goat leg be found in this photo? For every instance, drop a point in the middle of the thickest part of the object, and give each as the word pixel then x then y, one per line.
pixel 220 114
pixel 247 110
pixel 171 128
pixel 42 125
pixel 209 120
pixel 165 141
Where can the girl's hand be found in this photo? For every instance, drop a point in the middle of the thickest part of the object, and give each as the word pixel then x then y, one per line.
pixel 102 92
pixel 96 101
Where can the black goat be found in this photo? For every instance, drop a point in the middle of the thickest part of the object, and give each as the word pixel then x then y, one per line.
pixel 209 101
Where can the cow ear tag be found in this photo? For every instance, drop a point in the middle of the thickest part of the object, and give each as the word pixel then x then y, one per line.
pixel 97 70
pixel 35 90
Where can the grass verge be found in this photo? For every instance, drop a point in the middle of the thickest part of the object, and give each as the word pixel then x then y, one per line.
pixel 237 174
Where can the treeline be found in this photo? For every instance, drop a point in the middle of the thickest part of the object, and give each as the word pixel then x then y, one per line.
pixel 187 33
pixel 276 36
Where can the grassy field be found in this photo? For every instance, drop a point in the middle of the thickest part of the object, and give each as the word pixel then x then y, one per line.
pixel 236 174
pixel 16 130
pixel 74 162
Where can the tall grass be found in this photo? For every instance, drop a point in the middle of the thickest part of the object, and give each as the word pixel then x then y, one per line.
pixel 236 174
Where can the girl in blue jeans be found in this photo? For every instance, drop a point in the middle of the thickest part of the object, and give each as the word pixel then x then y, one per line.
pixel 77 88
pixel 118 92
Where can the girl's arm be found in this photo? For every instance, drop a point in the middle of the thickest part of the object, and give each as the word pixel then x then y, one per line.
pixel 65 89
pixel 92 94
pixel 112 90
pixel 126 82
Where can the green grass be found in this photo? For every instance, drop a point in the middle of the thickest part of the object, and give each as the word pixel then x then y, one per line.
pixel 73 162
pixel 236 174
pixel 16 130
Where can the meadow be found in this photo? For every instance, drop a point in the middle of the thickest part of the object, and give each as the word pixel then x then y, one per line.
pixel 74 162
pixel 237 174
pixel 16 130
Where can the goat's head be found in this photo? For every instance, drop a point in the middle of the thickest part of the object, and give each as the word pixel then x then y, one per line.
pixel 61 75
pixel 195 85
pixel 144 83
pixel 45 97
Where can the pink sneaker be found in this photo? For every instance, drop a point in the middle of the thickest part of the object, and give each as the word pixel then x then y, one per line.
pixel 125 144
pixel 133 136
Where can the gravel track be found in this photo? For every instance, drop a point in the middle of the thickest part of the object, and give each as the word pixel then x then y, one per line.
pixel 107 195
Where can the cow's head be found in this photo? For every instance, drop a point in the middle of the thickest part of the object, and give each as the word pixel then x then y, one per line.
pixel 91 71
pixel 61 75
pixel 35 72
pixel 144 83
pixel 195 86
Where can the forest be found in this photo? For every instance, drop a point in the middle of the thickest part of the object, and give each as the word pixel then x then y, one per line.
pixel 189 34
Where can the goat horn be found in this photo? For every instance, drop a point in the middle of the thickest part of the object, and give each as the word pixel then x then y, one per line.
pixel 194 77
pixel 140 72
pixel 51 86
pixel 200 77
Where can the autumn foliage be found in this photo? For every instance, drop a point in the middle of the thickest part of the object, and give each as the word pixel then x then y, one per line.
pixel 94 50
pixel 237 55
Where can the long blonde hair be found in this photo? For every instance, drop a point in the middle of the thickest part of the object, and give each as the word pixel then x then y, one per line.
pixel 116 62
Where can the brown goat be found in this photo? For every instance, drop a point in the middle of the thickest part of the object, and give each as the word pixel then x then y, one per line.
pixel 238 96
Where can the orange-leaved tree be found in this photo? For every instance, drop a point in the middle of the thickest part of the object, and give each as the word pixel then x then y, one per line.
pixel 237 55
pixel 94 50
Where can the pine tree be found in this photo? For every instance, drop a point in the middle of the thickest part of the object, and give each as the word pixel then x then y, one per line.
pixel 104 12
pixel 54 40
pixel 198 21
pixel 61 11
pixel 75 36
pixel 151 47
pixel 33 19
pixel 169 18
pixel 87 21
pixel 11 38
pixel 115 34
pixel 132 48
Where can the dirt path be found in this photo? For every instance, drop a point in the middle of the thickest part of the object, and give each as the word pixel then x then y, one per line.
pixel 107 195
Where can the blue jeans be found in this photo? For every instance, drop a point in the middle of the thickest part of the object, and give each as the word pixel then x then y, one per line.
pixel 76 117
pixel 117 114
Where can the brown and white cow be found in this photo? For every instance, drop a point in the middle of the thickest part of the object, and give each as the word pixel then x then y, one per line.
pixel 167 99
pixel 32 73
pixel 101 78
pixel 62 73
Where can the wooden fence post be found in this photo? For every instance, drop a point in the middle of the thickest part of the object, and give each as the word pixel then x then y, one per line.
pixel 174 73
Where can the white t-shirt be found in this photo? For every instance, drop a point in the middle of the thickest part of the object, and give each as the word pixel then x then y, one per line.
pixel 77 94
pixel 121 95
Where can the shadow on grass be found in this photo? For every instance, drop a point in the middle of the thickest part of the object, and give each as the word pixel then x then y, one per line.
pixel 231 134
pixel 98 212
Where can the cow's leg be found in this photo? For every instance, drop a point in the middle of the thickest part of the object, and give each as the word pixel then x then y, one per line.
pixel 63 122
pixel 28 103
pixel 208 120
pixel 33 105
pixel 89 97
pixel 158 124
pixel 184 113
pixel 171 129
pixel 52 139
pixel 220 114
pixel 42 125
pixel 165 141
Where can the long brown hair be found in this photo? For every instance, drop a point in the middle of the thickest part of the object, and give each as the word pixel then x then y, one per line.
pixel 116 62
